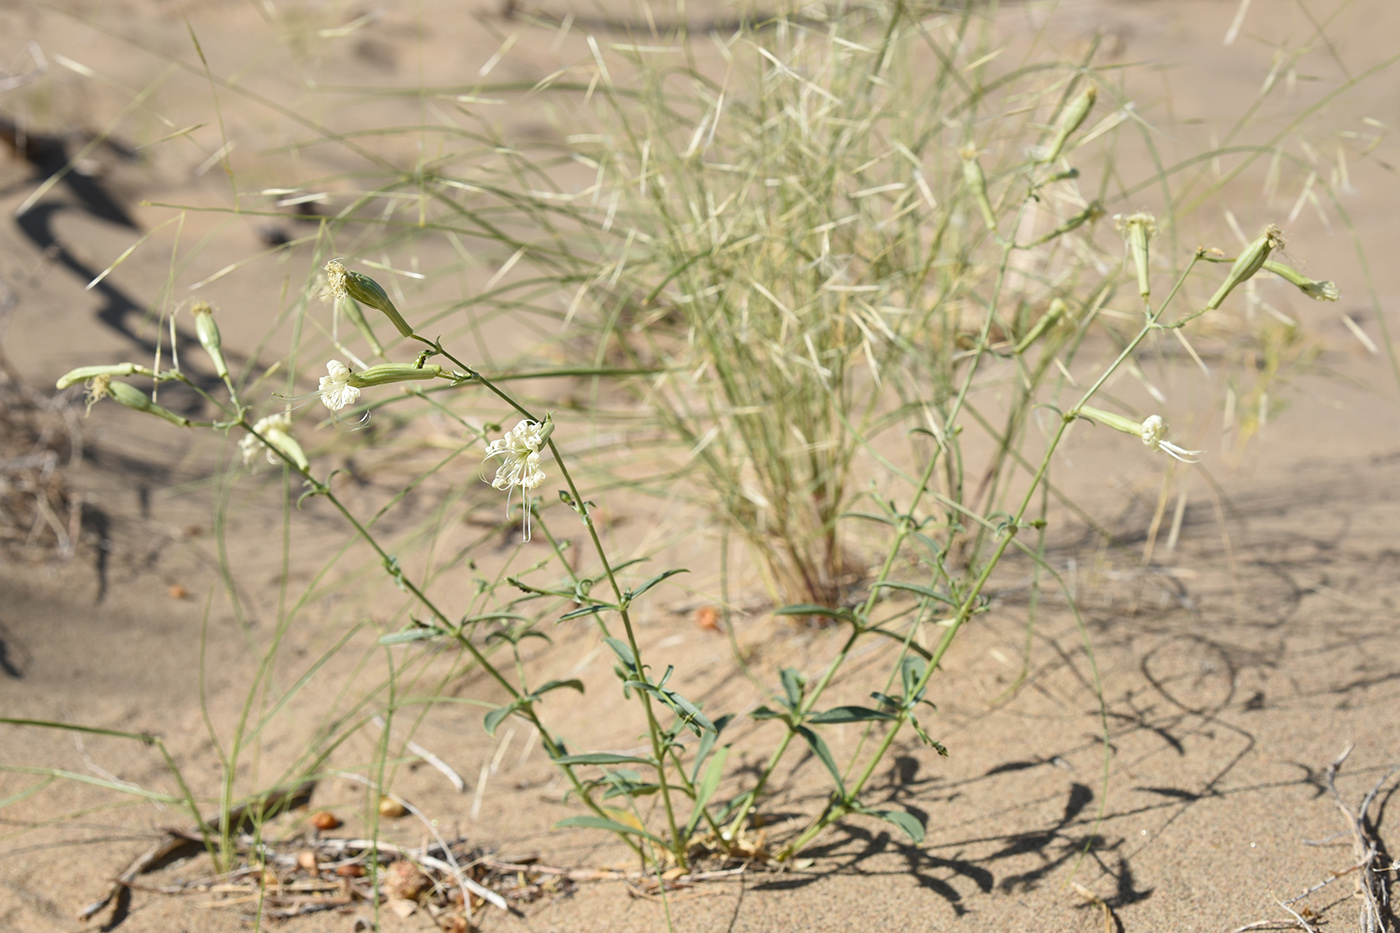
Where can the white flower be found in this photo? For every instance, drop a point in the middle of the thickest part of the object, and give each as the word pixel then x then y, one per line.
pixel 520 464
pixel 275 431
pixel 1154 435
pixel 336 391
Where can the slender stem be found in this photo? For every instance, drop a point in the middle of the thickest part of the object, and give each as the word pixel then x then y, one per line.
pixel 658 744
pixel 970 600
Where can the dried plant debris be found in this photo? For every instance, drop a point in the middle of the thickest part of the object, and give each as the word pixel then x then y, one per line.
pixel 449 884
pixel 306 871
pixel 1372 869
pixel 40 516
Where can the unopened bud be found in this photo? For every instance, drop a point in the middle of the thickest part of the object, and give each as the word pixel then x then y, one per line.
pixel 1071 120
pixel 1248 263
pixel 1138 229
pixel 385 373
pixel 976 182
pixel 135 399
pixel 209 338
pixel 84 373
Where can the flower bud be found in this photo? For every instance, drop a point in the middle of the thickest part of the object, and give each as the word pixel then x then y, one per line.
pixel 1052 316
pixel 1071 120
pixel 1109 420
pixel 84 373
pixel 385 373
pixel 209 338
pixel 1138 229
pixel 135 399
pixel 1318 291
pixel 976 182
pixel 1248 263
pixel 362 288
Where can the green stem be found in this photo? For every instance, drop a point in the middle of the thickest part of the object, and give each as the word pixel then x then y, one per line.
pixel 654 731
pixel 969 603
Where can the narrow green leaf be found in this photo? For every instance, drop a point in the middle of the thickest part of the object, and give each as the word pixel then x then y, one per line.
pixel 690 713
pixel 764 712
pixel 812 609
pixel 598 822
pixel 410 635
pixel 818 745
pixel 496 717
pixel 887 701
pixel 558 684
pixel 623 652
pixel 903 819
pixel 794 681
pixel 915 588
pixel 515 637
pixel 603 758
pixel 911 671
pixel 633 594
pixel 630 789
pixel 585 611
pixel 850 714
pixel 495 617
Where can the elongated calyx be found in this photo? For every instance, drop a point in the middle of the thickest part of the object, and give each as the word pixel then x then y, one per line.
pixel 85 373
pixel 1317 291
pixel 1248 263
pixel 344 283
pixel 1071 120
pixel 1152 431
pixel 1138 229
pixel 386 373
pixel 102 386
pixel 976 182
pixel 209 337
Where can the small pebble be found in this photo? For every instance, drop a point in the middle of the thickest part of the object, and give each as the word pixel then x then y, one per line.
pixel 325 819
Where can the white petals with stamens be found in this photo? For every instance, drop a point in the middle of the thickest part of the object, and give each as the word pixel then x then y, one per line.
pixel 1154 435
pixel 335 390
pixel 520 464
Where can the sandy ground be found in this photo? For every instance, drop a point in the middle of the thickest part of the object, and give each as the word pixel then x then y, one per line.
pixel 1234 667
